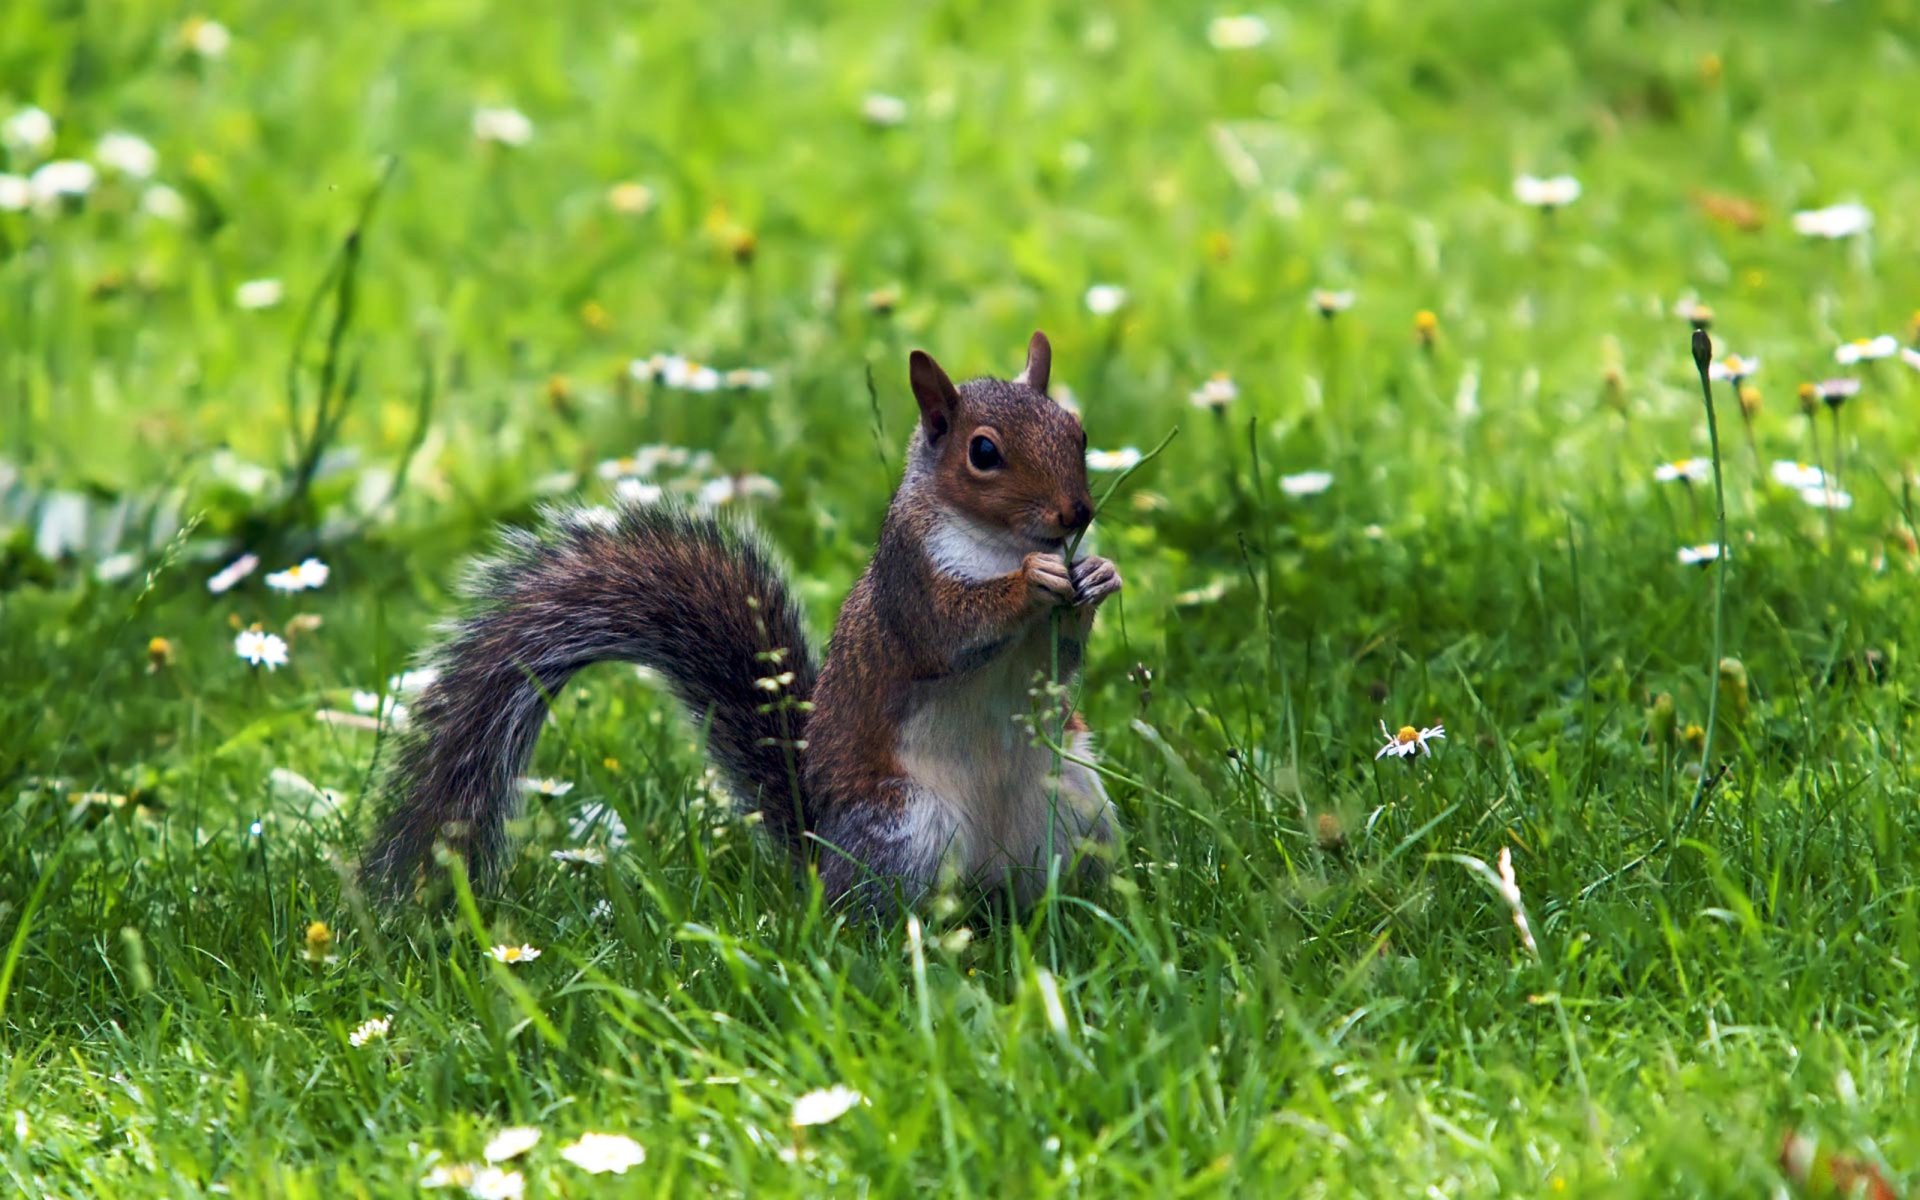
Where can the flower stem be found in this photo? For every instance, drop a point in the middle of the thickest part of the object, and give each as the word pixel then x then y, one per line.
pixel 1702 356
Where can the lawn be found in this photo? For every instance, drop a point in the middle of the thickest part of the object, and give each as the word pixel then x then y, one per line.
pixel 368 280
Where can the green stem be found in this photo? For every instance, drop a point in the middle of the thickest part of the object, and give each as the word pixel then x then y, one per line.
pixel 1702 355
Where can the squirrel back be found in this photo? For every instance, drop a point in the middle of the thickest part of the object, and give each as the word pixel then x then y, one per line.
pixel 694 598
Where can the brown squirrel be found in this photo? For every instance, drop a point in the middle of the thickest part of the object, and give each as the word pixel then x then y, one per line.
pixel 898 759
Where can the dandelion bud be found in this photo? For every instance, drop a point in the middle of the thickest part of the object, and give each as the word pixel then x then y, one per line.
pixel 743 245
pixel 1700 316
pixel 1735 695
pixel 1710 68
pixel 159 654
pixel 1809 398
pixel 1426 327
pixel 594 316
pixel 1329 834
pixel 1749 401
pixel 319 945
pixel 883 300
pixel 559 392
pixel 1694 736
pixel 1660 721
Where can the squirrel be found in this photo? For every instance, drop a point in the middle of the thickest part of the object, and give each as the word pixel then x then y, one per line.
pixel 901 758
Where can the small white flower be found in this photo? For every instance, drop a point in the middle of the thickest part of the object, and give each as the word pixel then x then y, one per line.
pixel 824 1105
pixel 162 203
pixel 604 1153
pixel 1835 391
pixel 503 126
pixel 16 193
pixel 407 682
pixel 602 910
pixel 224 579
pixel 370 1030
pixel 630 199
pixel 1306 483
pixel 28 133
pixel 748 379
pixel 256 294
pixel 311 573
pixel 634 491
pixel 514 954
pixel 881 109
pixel 1865 349
pixel 1105 299
pixel 1695 556
pixel 511 1143
pixel 1835 221
pixel 1557 191
pixel 387 708
pixel 1237 32
pixel 1216 393
pixel 128 154
pixel 1328 303
pixel 61 180
pixel 545 787
pixel 207 38
pixel 1823 496
pixel 1408 741
pixel 756 487
pixel 261 649
pixel 497 1183
pixel 1122 459
pixel 1063 395
pixel 1732 369
pixel 449 1175
pixel 1798 475
pixel 585 856
pixel 1684 470
pixel 1910 356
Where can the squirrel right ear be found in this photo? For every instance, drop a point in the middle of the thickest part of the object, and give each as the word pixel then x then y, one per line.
pixel 939 399
pixel 1039 363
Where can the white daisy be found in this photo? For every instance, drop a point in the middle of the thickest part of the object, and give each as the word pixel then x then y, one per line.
pixel 634 491
pixel 585 856
pixel 128 154
pixel 512 955
pixel 28 133
pixel 502 126
pixel 1557 191
pixel 1835 391
pixel 256 294
pixel 511 1143
pixel 1408 741
pixel 1105 299
pixel 412 681
pixel 1237 32
pixel 261 649
pixel 823 1105
pixel 602 910
pixel 630 199
pixel 1866 349
pixel 1686 470
pixel 604 1153
pixel 61 180
pixel 1695 556
pixel 748 379
pixel 881 109
pixel 1216 393
pixel 545 787
pixel 311 573
pixel 163 203
pixel 1306 483
pixel 1834 221
pixel 1113 460
pixel 1732 368
pixel 224 579
pixel 1328 303
pixel 388 708
pixel 207 38
pixel 1823 496
pixel 1798 475
pixel 497 1183
pixel 16 193
pixel 370 1030
pixel 1910 356
pixel 449 1175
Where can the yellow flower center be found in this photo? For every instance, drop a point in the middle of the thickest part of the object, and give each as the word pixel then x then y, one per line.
pixel 1407 734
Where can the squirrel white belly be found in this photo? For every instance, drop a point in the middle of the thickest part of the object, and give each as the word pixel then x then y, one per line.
pixel 910 752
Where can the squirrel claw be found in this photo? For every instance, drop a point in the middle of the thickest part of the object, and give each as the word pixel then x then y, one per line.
pixel 1049 582
pixel 1094 579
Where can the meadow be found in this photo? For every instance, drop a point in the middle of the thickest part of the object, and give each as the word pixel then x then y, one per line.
pixel 356 283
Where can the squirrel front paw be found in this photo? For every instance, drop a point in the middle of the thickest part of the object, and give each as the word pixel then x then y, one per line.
pixel 1049 583
pixel 1094 579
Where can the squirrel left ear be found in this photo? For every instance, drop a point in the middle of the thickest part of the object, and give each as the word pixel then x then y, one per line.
pixel 939 400
pixel 1039 363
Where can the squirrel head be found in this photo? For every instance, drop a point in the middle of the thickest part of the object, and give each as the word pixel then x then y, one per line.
pixel 1000 451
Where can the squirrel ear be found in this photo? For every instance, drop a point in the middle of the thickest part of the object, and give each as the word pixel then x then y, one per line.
pixel 1039 363
pixel 939 400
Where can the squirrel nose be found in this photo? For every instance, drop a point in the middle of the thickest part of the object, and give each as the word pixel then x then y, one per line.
pixel 1079 517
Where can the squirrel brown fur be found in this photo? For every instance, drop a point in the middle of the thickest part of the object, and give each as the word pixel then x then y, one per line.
pixel 903 757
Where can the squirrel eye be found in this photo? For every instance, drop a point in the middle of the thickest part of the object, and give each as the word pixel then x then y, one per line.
pixel 984 455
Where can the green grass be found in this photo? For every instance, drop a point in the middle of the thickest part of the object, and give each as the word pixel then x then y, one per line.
pixel 1291 987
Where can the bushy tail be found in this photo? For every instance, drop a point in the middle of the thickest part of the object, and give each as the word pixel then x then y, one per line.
pixel 695 599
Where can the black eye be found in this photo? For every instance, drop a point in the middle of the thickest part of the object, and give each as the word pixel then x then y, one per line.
pixel 984 455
